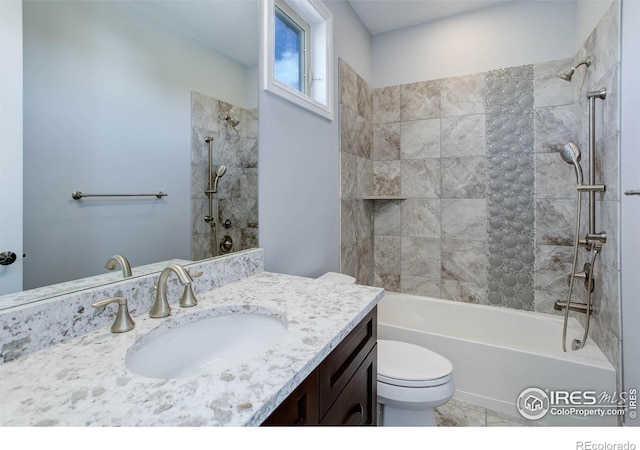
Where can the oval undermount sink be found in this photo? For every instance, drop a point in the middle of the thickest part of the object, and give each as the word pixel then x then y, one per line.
pixel 210 343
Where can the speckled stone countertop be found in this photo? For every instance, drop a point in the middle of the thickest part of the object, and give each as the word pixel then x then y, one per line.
pixel 85 382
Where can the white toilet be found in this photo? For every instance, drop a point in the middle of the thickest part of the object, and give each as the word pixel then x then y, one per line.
pixel 412 380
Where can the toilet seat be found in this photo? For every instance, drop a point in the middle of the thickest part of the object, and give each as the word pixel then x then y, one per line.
pixel 408 365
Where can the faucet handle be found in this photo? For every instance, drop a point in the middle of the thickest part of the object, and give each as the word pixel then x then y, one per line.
pixel 188 297
pixel 123 321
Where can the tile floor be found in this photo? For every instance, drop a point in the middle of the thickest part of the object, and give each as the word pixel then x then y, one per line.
pixel 456 413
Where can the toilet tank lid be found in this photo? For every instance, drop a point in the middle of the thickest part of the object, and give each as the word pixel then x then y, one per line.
pixel 404 361
pixel 337 278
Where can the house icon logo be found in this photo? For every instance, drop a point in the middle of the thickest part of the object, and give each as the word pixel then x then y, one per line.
pixel 533 403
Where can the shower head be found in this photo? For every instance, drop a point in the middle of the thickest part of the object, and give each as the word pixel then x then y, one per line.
pixel 220 171
pixel 233 122
pixel 569 73
pixel 570 153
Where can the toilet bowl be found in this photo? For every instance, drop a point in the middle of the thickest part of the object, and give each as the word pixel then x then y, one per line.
pixel 412 382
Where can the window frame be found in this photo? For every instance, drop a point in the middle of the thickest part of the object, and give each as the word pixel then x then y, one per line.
pixel 292 19
pixel 318 95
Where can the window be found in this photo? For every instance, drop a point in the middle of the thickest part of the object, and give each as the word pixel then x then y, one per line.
pixel 297 51
pixel 291 65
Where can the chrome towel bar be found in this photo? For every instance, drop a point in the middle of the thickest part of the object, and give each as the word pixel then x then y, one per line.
pixel 77 195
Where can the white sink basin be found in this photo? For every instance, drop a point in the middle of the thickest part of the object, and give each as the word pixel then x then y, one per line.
pixel 205 344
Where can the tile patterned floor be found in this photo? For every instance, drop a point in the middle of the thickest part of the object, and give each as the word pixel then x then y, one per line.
pixel 456 413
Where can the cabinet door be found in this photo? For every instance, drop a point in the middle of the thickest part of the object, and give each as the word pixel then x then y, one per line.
pixel 356 404
pixel 341 365
pixel 300 408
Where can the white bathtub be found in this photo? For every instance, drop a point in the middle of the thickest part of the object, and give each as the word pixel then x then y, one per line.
pixel 497 352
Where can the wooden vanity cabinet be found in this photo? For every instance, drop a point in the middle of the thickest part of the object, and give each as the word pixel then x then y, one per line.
pixel 342 389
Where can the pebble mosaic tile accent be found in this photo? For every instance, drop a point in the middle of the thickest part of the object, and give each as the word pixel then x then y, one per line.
pixel 510 197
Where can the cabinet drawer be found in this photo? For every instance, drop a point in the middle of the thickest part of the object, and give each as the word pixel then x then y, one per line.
pixel 356 404
pixel 301 407
pixel 338 368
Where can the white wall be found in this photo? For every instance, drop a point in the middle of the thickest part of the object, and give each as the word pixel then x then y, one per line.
pixel 506 35
pixel 299 176
pixel 11 142
pixel 588 14
pixel 107 108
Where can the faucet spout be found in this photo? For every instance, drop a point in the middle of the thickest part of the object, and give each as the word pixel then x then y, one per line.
pixel 161 307
pixel 113 262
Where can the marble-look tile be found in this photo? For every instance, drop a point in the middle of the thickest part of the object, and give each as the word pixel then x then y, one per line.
pixel 388 281
pixel 607 116
pixel 555 222
pixel 420 139
pixel 607 43
pixel 554 127
pixel 554 178
pixel 365 261
pixel 420 257
pixel 252 213
pixel 420 100
pixel 464 177
pixel 464 260
pixel 387 218
pixel 421 218
pixel 348 86
pixel 349 260
pixel 348 223
pixel 199 209
pixel 463 135
pixel 387 254
pixel 544 302
pixel 204 111
pixel 364 137
pixel 421 178
pixel 550 90
pixel 248 238
pixel 606 319
pixel 464 291
pixel 348 131
pixel 386 175
pixel 463 95
pixel 365 103
pixel 365 179
pixel 464 218
pixel 229 186
pixel 247 153
pixel 498 419
pixel 456 413
pixel 607 167
pixel 608 220
pixel 349 175
pixel 386 104
pixel 552 265
pixel 429 287
pixel 386 141
pixel 235 210
pixel 202 246
pixel 249 183
pixel 363 210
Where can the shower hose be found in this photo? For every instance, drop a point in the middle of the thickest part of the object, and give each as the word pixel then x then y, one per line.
pixel 578 344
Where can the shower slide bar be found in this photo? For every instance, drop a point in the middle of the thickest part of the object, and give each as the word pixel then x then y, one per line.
pixel 77 195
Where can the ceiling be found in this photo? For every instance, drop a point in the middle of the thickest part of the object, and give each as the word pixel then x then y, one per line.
pixel 380 16
pixel 232 26
pixel 229 26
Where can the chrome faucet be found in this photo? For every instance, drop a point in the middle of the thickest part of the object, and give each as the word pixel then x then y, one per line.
pixel 161 306
pixel 113 262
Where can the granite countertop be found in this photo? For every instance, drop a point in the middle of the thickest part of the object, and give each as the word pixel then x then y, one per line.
pixel 85 382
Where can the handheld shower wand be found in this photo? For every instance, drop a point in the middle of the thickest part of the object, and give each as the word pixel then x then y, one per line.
pixel 571 154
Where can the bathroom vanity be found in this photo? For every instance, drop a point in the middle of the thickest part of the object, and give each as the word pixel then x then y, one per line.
pixel 342 390
pixel 320 371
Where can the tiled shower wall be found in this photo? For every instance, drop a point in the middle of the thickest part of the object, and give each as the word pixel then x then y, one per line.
pixel 237 199
pixel 488 206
